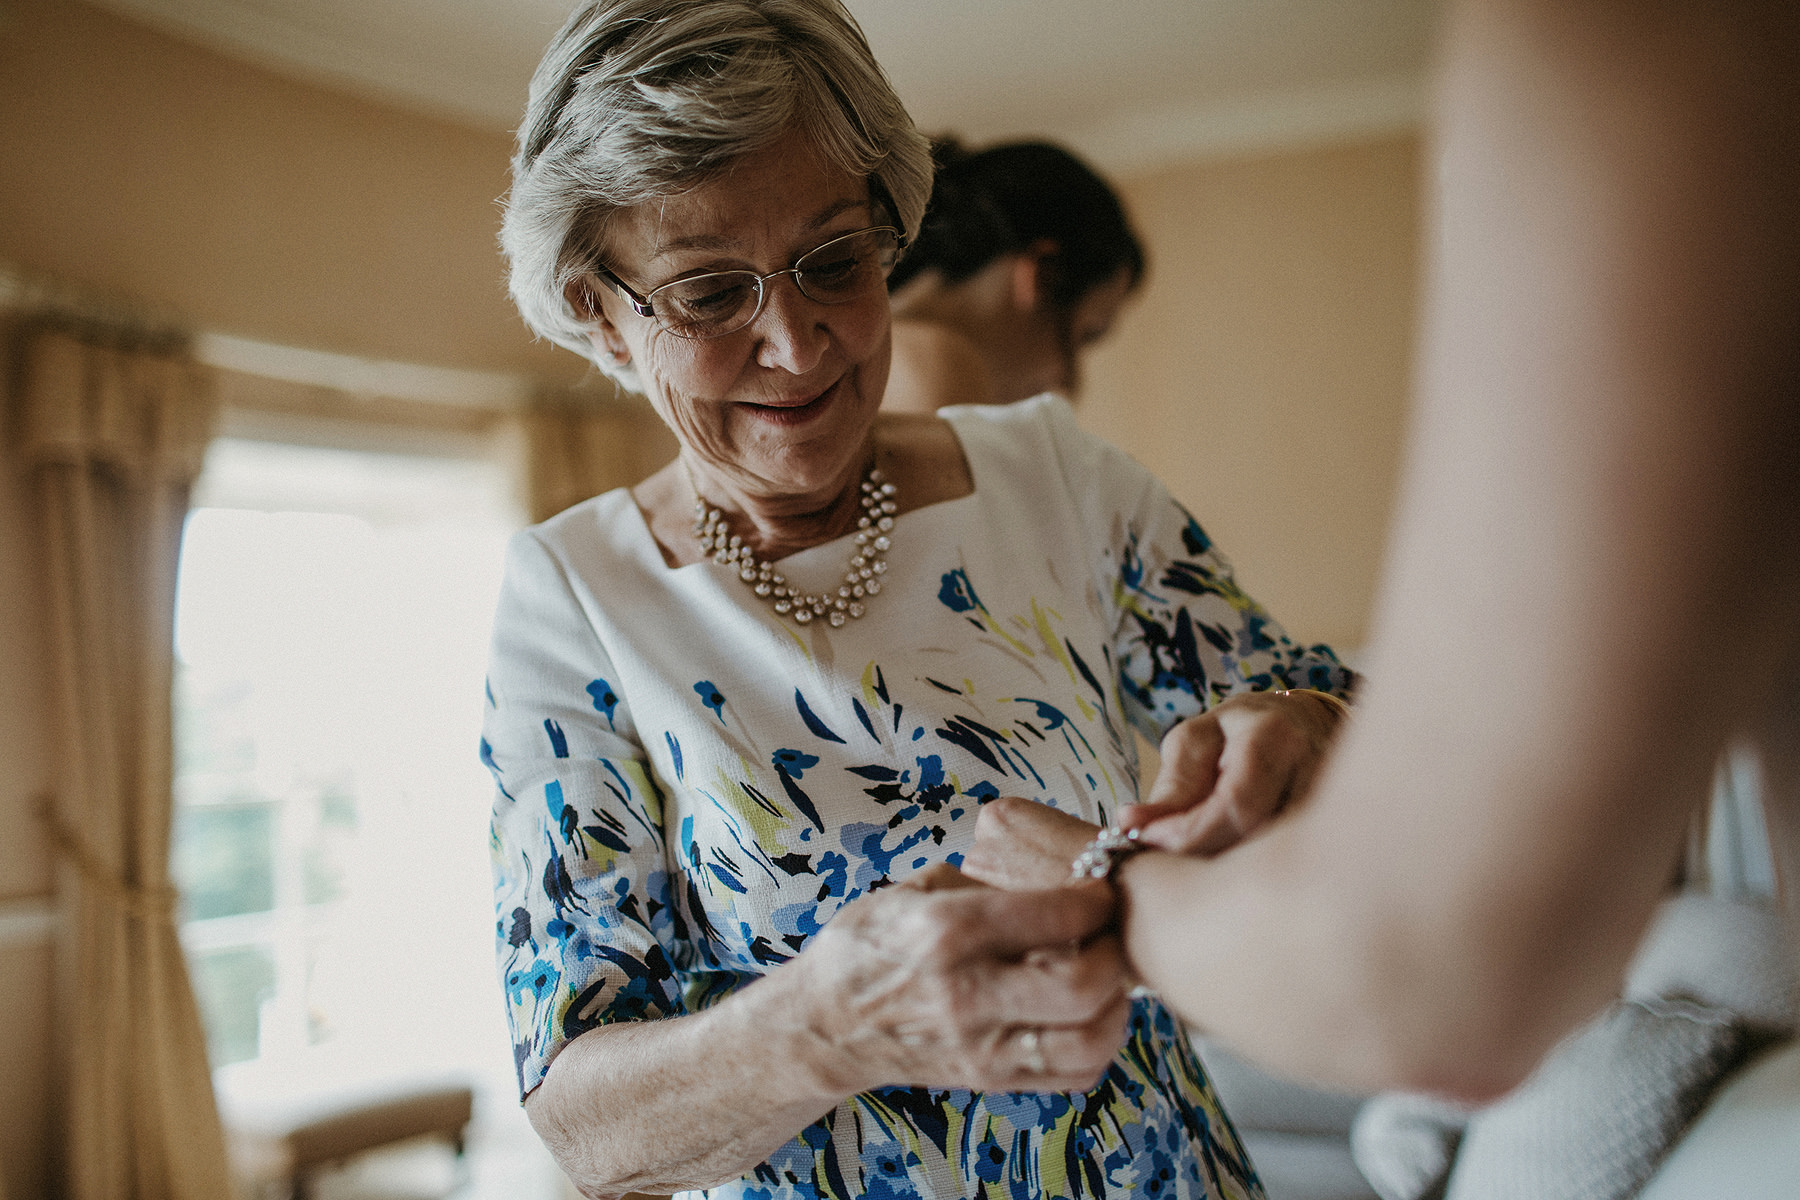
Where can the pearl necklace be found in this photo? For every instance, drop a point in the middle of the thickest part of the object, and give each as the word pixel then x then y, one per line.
pixel 868 561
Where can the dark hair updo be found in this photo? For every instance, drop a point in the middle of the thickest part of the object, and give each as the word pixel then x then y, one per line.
pixel 1002 200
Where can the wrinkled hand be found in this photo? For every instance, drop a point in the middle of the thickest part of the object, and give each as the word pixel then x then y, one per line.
pixel 943 982
pixel 1229 771
pixel 1021 844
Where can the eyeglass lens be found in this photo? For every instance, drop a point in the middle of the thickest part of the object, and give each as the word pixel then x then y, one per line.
pixel 722 302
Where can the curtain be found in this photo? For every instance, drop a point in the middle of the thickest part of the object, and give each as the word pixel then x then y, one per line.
pixel 1778 746
pixel 113 435
pixel 578 447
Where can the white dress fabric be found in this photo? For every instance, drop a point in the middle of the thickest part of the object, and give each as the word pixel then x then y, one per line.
pixel 690 786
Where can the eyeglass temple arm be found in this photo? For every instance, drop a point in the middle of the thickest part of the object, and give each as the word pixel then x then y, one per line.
pixel 878 194
pixel 639 304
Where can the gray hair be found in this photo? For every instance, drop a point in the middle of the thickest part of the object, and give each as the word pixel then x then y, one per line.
pixel 640 100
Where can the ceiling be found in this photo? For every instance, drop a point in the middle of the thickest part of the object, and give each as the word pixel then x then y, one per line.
pixel 1129 83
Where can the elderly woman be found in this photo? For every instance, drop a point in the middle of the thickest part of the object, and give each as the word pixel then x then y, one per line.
pixel 743 717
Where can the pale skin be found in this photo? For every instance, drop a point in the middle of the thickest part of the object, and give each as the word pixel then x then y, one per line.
pixel 1226 774
pixel 1594 581
pixel 994 337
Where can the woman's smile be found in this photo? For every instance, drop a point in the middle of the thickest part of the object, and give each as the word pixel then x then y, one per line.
pixel 790 412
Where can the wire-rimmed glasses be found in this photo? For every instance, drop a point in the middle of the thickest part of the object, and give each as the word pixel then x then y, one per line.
pixel 720 302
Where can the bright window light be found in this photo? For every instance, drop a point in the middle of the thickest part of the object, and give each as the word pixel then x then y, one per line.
pixel 330 840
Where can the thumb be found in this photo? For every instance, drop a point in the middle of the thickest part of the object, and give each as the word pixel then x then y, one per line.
pixel 1021 921
pixel 1190 766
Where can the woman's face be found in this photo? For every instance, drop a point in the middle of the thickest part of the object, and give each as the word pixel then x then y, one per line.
pixel 1059 336
pixel 780 410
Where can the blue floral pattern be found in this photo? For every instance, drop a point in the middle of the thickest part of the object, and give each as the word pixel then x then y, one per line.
pixel 718 785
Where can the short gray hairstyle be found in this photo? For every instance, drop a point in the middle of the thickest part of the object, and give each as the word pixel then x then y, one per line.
pixel 640 100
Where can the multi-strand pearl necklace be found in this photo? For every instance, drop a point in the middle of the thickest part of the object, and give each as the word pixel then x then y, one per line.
pixel 868 561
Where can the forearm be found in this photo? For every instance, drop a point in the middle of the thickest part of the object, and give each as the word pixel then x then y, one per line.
pixel 928 983
pixel 1590 586
pixel 685 1102
pixel 1398 937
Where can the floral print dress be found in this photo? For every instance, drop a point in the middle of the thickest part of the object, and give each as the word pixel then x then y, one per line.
pixel 690 786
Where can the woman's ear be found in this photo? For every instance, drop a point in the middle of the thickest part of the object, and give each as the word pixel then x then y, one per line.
pixel 584 299
pixel 1032 272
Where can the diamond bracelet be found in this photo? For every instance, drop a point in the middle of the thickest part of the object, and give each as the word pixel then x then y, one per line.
pixel 1100 857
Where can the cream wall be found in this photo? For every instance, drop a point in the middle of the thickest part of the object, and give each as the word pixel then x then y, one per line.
pixel 1263 371
pixel 136 164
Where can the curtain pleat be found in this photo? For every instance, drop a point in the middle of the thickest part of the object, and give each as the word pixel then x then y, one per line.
pixel 577 450
pixel 115 436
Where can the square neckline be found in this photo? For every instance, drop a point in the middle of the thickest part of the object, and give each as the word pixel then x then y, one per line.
pixel 648 542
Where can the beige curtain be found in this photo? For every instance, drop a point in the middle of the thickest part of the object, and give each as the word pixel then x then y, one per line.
pixel 578 447
pixel 114 434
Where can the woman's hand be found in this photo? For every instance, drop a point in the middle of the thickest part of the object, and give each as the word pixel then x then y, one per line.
pixel 1230 770
pixel 1020 844
pixel 938 982
pixel 942 982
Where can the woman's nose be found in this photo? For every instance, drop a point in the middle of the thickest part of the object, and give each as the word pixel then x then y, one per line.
pixel 790 330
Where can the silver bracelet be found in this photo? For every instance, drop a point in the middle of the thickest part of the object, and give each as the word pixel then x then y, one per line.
pixel 1100 857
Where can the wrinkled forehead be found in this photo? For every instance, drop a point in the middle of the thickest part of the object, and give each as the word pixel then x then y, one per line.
pixel 776 200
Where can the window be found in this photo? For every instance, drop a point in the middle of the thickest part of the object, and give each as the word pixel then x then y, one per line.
pixel 330 833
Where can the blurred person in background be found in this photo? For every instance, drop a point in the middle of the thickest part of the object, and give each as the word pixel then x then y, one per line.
pixel 1024 260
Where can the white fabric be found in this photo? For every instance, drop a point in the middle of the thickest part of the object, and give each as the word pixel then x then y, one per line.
pixel 1746 1145
pixel 691 786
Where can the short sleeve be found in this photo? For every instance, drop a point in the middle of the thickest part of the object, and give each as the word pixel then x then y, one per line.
pixel 1187 635
pixel 586 932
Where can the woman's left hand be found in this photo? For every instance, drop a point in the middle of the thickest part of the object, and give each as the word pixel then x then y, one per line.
pixel 1230 770
pixel 1022 844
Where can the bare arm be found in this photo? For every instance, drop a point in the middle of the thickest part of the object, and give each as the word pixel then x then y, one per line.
pixel 1592 580
pixel 929 983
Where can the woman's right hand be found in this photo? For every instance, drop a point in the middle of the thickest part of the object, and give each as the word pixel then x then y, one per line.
pixel 1229 771
pixel 938 982
pixel 944 982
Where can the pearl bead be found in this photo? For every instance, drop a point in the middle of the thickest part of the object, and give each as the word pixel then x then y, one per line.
pixel 713 533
